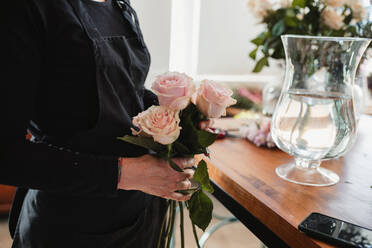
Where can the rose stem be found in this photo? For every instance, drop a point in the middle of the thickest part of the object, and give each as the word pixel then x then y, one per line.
pixel 181 225
pixel 169 218
pixel 195 235
pixel 163 226
pixel 173 208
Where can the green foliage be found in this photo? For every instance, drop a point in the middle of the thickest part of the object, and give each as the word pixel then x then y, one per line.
pixel 201 176
pixel 261 63
pixel 200 209
pixel 145 142
pixel 303 17
pixel 181 148
pixel 278 28
pixel 192 137
pixel 253 53
pixel 245 103
pixel 299 3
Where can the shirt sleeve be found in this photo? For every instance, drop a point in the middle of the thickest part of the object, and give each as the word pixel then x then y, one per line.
pixel 24 163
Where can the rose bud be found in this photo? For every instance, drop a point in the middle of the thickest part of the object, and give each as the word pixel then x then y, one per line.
pixel 212 99
pixel 159 122
pixel 174 90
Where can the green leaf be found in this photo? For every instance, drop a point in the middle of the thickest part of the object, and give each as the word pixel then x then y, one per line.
pixel 181 148
pixel 145 142
pixel 278 28
pixel 253 53
pixel 201 176
pixel 352 30
pixel 278 53
pixel 299 3
pixel 291 22
pixel 348 19
pixel 337 33
pixel 206 138
pixel 260 64
pixel 174 166
pixel 269 44
pixel 200 209
pixel 258 41
pixel 192 137
pixel 290 12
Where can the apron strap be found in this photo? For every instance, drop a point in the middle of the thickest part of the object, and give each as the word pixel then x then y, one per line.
pixel 90 28
pixel 85 20
pixel 130 14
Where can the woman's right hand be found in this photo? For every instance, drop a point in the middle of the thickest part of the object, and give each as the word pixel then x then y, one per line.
pixel 154 176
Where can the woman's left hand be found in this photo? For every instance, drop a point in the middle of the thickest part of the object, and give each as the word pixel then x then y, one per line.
pixel 155 176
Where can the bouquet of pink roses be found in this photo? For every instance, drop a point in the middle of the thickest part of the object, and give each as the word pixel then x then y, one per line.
pixel 173 130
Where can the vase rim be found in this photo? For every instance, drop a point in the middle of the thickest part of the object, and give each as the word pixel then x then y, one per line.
pixel 329 38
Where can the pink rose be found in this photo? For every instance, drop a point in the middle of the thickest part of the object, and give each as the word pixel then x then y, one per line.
pixel 174 90
pixel 249 131
pixel 259 139
pixel 269 141
pixel 251 95
pixel 213 99
pixel 265 124
pixel 159 122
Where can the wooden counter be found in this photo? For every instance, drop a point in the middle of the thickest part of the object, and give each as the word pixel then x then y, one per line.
pixel 6 198
pixel 246 174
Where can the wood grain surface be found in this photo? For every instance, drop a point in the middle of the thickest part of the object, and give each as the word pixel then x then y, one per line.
pixel 247 173
pixel 6 198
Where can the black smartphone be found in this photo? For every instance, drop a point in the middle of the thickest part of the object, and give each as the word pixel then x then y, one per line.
pixel 336 232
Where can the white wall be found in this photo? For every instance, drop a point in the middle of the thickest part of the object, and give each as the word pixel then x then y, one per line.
pixel 154 17
pixel 226 28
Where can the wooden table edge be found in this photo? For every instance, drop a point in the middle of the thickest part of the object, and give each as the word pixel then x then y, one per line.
pixel 226 188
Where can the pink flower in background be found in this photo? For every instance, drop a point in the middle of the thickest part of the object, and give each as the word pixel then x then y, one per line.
pixel 260 7
pixel 265 124
pixel 332 19
pixel 250 131
pixel 258 132
pixel 359 11
pixel 253 96
pixel 335 3
pixel 212 99
pixel 174 90
pixel 259 139
pixel 159 122
pixel 269 141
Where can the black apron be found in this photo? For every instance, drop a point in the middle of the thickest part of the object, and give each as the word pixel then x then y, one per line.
pixel 130 219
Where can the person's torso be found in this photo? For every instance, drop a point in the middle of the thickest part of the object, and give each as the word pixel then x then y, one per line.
pixel 91 87
pixel 69 101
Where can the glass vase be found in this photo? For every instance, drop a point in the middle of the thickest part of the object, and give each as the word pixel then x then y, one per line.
pixel 315 117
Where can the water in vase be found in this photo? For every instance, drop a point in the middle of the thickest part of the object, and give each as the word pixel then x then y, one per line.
pixel 314 125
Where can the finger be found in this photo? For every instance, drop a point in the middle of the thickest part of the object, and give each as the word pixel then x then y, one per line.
pixel 189 173
pixel 211 122
pixel 180 162
pixel 178 196
pixel 190 163
pixel 184 162
pixel 181 176
pixel 203 125
pixel 185 184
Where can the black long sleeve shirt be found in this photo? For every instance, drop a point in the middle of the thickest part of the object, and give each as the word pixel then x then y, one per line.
pixel 29 48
